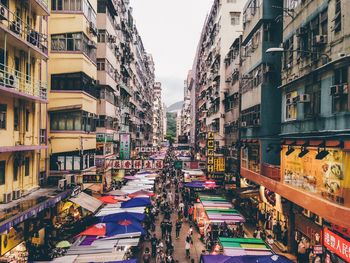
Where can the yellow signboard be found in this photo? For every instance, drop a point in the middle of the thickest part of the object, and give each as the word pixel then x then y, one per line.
pixel 219 164
pixel 329 177
pixel 210 136
pixel 10 240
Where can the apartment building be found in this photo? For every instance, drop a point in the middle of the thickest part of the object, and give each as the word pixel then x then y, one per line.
pixel 158 129
pixel 222 26
pixel 23 103
pixel 186 108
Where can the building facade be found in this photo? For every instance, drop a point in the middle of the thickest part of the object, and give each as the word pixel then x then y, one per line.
pixel 158 115
pixel 222 26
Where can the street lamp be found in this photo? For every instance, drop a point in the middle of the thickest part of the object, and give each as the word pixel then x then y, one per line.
pixel 273 50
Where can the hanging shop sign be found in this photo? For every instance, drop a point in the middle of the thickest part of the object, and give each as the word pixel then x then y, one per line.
pixel 178 164
pixel 219 164
pixel 133 164
pixel 336 244
pixel 210 152
pixel 104 137
pixel 308 228
pixel 92 178
pixel 124 139
pixel 146 149
pixel 12 239
pixel 217 176
pixel 326 177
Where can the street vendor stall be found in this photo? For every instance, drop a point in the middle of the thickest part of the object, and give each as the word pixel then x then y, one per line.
pixel 242 247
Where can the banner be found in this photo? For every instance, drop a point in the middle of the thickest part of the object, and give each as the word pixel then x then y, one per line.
pixel 326 177
pixel 124 139
pixel 336 244
pixel 133 164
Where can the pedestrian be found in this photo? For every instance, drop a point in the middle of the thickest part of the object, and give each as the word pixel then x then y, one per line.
pixel 188 246
pixel 154 242
pixel 269 240
pixel 190 212
pixel 146 256
pixel 169 228
pixel 163 228
pixel 190 231
pixel 257 233
pixel 178 228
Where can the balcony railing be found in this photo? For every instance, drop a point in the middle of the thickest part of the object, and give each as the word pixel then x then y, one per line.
pixel 23 30
pixel 17 81
pixel 271 171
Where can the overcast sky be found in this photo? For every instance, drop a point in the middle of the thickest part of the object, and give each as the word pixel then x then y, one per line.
pixel 170 31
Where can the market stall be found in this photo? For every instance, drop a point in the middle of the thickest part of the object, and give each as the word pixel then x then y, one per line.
pixel 243 247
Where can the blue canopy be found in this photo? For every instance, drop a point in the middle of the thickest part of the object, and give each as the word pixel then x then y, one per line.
pixel 123 261
pixel 244 259
pixel 113 229
pixel 136 202
pixel 113 218
pixel 195 184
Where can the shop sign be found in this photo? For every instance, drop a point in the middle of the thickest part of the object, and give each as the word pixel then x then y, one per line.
pixel 124 139
pixel 210 152
pixel 133 164
pixel 217 177
pixel 324 177
pixel 146 149
pixel 230 186
pixel 219 164
pixel 336 244
pixel 104 137
pixel 178 164
pixel 318 249
pixel 10 240
pixel 92 178
pixel 308 228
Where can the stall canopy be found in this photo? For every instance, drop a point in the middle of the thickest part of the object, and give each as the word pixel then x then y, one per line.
pixel 141 193
pixel 244 247
pixel 108 199
pixel 112 229
pixel 244 259
pixel 224 215
pixel 117 192
pixel 87 202
pixel 136 202
pixel 121 216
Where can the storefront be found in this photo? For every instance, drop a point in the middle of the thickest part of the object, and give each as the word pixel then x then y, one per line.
pixel 13 248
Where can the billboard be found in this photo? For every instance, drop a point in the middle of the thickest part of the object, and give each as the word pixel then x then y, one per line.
pixel 124 139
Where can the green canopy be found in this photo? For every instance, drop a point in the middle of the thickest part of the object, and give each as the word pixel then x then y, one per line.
pixel 242 243
pixel 221 211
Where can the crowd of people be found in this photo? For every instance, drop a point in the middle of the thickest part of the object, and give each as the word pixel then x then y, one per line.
pixel 172 207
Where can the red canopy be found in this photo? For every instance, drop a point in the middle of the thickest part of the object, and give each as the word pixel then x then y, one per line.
pixel 141 193
pixel 108 199
pixel 95 230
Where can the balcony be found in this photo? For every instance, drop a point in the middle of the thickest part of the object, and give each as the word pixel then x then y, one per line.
pixel 23 36
pixel 41 7
pixel 20 85
pixel 271 171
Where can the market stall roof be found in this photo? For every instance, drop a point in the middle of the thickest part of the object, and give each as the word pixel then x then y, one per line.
pixel 108 199
pixel 141 193
pixel 113 209
pixel 87 202
pixel 244 246
pixel 117 192
pixel 224 215
pixel 211 198
pixel 121 216
pixel 193 172
pixel 136 202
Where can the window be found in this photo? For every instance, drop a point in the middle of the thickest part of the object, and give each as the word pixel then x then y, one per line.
pixel 291 106
pixel 337 17
pixel 43 136
pixel 251 116
pixel 26 166
pixel 73 42
pixel 3 114
pixel 235 18
pixel 102 36
pixel 2 172
pixel 15 118
pixel 288 56
pixel 313 107
pixel 72 121
pixel 27 120
pixel 340 90
pixel 101 64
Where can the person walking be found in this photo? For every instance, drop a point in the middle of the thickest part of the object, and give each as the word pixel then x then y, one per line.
pixel 154 242
pixel 169 228
pixel 146 256
pixel 178 228
pixel 163 228
pixel 188 246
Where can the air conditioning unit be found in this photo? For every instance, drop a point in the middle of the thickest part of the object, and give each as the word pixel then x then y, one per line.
pixel 90 115
pixel 319 40
pixel 12 81
pixel 15 27
pixel 7 198
pixel 16 194
pixel 92 28
pixel 4 13
pixel 62 184
pixel 243 124
pixel 304 98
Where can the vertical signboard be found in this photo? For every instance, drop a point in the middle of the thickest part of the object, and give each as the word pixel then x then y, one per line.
pixel 210 152
pixel 124 139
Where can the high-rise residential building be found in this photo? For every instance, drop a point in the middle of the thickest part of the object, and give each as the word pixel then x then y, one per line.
pixel 186 108
pixel 158 131
pixel 23 103
pixel 73 87
pixel 222 26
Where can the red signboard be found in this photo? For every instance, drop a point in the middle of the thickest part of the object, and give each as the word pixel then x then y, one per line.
pixel 336 244
pixel 132 164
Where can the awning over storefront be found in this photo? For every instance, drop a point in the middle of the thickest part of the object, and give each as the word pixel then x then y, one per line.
pixel 244 247
pixel 87 202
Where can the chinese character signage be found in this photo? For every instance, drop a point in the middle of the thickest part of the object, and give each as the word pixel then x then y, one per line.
pixel 336 244
pixel 146 149
pixel 104 137
pixel 325 177
pixel 124 146
pixel 11 240
pixel 210 152
pixel 178 164
pixel 219 164
pixel 133 164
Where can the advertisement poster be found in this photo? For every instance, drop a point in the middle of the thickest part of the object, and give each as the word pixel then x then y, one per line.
pixel 124 146
pixel 11 240
pixel 325 177
pixel 336 244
